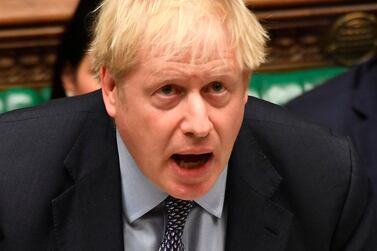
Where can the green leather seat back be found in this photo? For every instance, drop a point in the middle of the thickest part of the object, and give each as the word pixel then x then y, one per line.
pixel 2 103
pixel 280 87
pixel 45 94
pixel 15 98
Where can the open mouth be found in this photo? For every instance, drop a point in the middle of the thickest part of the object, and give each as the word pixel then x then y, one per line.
pixel 191 160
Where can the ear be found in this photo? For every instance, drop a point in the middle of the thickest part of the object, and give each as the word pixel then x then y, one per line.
pixel 109 91
pixel 246 79
pixel 68 80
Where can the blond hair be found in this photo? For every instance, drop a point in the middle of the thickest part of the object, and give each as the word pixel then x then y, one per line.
pixel 124 27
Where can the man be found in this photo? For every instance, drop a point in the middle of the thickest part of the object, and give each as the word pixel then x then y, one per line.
pixel 166 157
pixel 348 105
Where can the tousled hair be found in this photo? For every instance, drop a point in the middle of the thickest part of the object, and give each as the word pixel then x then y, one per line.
pixel 200 27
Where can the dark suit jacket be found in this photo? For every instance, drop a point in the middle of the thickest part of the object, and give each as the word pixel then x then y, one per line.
pixel 347 104
pixel 291 186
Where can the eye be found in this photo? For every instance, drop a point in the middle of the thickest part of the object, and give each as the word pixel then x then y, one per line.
pixel 167 96
pixel 215 87
pixel 167 90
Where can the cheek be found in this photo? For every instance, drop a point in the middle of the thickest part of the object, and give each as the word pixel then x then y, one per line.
pixel 143 126
pixel 228 122
pixel 86 82
pixel 161 130
pixel 85 78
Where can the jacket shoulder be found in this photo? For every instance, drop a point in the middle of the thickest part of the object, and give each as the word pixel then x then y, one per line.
pixel 63 107
pixel 261 111
pixel 289 139
pixel 329 102
pixel 42 136
pixel 320 173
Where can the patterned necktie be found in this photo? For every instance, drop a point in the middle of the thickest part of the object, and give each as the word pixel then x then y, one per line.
pixel 177 211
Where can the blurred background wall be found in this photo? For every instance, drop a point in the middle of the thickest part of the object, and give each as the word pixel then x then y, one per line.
pixel 311 41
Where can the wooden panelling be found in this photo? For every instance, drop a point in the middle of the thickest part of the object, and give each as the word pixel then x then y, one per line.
pixel 305 37
pixel 23 12
pixel 30 31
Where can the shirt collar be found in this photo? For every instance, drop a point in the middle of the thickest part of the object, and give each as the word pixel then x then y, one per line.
pixel 213 201
pixel 140 195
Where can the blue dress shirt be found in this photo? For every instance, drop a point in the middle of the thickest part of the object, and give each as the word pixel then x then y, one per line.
pixel 144 217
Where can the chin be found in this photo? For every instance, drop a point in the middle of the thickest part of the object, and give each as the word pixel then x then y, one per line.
pixel 190 191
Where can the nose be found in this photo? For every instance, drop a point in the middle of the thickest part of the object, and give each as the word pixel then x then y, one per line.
pixel 196 121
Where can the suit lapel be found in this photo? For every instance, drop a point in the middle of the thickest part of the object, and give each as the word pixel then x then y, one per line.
pixel 254 220
pixel 365 138
pixel 88 215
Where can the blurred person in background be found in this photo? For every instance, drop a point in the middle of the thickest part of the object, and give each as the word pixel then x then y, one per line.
pixel 348 105
pixel 73 74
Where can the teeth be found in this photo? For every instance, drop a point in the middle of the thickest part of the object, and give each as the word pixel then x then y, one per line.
pixel 185 164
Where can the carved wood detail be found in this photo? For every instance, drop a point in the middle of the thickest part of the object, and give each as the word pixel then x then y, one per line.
pixel 27 55
pixel 320 36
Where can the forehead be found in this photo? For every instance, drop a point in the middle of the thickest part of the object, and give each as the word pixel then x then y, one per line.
pixel 187 64
pixel 193 55
pixel 154 71
pixel 198 55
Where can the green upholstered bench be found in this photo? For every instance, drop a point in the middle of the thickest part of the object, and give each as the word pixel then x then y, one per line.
pixel 281 87
pixel 278 88
pixel 19 97
pixel 2 103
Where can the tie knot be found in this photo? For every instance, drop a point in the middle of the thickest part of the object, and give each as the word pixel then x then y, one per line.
pixel 177 211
